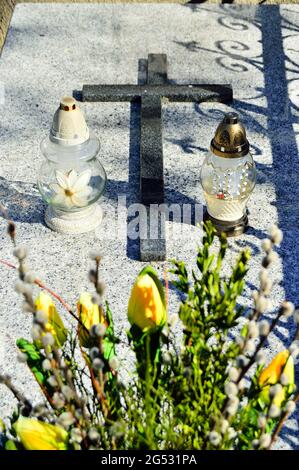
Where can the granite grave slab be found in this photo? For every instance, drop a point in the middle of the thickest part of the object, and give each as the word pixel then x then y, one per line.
pixel 253 48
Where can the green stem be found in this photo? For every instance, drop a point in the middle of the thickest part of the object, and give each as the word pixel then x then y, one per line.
pixel 148 386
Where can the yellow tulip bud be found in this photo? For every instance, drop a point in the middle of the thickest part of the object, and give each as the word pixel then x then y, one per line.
pixel 147 306
pixel 37 435
pixel 54 324
pixel 282 363
pixel 90 314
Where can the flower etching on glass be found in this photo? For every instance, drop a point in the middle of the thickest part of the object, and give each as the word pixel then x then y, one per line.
pixel 71 189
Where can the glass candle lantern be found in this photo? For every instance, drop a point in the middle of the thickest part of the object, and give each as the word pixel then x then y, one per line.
pixel 72 179
pixel 228 177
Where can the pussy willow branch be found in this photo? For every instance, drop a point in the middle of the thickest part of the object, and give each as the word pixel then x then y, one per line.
pixel 39 283
pixel 96 386
pixel 281 423
pixel 260 345
pixel 20 398
pixel 7 263
pixel 11 230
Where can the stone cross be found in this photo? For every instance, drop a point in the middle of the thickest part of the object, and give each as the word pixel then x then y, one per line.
pixel 151 96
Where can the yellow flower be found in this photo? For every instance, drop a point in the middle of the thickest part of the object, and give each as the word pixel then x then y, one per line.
pixel 54 325
pixel 36 435
pixel 282 363
pixel 90 314
pixel 147 305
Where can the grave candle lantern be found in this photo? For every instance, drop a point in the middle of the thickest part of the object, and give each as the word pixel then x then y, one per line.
pixel 228 177
pixel 72 179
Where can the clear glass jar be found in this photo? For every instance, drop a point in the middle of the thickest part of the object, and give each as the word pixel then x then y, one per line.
pixel 227 185
pixel 72 178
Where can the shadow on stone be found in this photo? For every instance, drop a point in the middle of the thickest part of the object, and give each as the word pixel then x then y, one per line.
pixel 22 201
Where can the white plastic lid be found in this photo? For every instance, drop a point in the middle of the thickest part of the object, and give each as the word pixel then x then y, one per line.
pixel 69 126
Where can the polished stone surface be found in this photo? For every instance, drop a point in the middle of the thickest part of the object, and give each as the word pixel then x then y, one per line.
pixel 253 48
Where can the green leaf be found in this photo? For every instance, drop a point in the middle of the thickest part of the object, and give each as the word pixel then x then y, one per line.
pixel 207 264
pixel 10 445
pixel 2 426
pixel 109 340
pixel 34 361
